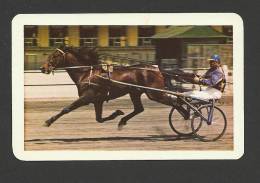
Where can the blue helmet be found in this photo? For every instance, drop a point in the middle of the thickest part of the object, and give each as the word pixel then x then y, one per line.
pixel 215 58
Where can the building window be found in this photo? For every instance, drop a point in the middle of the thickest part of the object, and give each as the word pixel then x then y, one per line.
pixel 88 36
pixel 57 35
pixel 144 35
pixel 117 36
pixel 30 36
pixel 228 30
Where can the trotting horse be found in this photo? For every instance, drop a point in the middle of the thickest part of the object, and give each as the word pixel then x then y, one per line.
pixel 94 89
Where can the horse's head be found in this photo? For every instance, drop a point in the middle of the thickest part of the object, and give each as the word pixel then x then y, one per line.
pixel 54 60
pixel 65 57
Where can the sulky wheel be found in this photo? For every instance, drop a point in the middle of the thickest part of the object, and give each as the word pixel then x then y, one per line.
pixel 209 132
pixel 178 124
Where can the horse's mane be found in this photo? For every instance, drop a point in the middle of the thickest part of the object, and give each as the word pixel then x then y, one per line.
pixel 85 55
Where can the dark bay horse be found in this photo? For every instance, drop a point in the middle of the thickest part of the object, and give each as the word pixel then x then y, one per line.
pixel 96 90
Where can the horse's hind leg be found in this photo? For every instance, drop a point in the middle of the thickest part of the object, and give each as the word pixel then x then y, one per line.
pixel 170 100
pixel 138 108
pixel 76 104
pixel 162 98
pixel 99 109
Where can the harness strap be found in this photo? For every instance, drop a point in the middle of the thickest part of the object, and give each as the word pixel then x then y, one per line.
pixel 90 74
pixel 60 51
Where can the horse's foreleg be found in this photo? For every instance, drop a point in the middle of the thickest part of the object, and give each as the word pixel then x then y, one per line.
pixel 99 109
pixel 76 104
pixel 138 108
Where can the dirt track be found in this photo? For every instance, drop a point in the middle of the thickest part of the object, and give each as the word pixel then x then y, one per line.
pixel 78 130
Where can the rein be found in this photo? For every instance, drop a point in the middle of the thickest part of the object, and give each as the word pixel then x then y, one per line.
pixel 109 65
pixel 141 87
pixel 108 68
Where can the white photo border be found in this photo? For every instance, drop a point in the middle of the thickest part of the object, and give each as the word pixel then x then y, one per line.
pixel 20 20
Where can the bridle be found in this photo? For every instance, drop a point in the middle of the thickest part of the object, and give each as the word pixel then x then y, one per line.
pixel 63 53
pixel 51 60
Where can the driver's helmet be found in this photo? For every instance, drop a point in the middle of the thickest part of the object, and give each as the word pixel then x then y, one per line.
pixel 215 58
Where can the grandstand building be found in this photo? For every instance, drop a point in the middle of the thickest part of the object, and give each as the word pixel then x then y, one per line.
pixel 135 42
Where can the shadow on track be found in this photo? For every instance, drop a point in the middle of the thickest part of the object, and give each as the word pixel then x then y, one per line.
pixel 151 138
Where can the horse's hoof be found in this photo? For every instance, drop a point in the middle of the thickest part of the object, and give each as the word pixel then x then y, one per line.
pixel 100 121
pixel 47 123
pixel 120 127
pixel 119 112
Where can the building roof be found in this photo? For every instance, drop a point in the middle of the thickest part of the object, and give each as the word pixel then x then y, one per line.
pixel 189 32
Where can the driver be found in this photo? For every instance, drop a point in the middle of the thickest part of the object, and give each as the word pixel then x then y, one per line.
pixel 214 78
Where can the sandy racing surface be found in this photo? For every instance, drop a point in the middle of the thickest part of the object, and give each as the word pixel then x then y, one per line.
pixel 79 130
